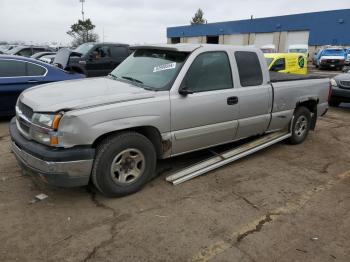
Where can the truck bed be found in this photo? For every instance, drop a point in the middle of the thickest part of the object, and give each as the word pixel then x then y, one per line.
pixel 282 77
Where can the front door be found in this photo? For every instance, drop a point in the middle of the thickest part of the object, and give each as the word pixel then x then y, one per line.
pixel 208 115
pixel 100 62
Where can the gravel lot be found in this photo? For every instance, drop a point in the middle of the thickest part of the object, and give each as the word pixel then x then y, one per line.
pixel 286 203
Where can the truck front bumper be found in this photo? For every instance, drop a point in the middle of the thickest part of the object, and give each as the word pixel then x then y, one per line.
pixel 61 167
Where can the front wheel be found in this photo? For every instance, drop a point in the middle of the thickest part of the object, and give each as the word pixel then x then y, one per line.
pixel 124 163
pixel 301 125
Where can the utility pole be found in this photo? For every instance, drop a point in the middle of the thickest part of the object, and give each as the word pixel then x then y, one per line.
pixel 82 8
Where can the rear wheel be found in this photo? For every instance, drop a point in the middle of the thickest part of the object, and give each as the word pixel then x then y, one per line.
pixel 124 163
pixel 301 125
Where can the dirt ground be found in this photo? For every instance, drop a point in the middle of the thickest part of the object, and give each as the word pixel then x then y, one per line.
pixel 286 203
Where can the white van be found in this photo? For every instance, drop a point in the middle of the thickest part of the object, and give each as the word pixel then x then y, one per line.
pixel 303 49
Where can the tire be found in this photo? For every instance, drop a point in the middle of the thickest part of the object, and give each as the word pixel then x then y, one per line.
pixel 301 125
pixel 124 163
pixel 334 103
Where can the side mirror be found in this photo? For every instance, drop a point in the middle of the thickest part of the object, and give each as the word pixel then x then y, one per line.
pixel 184 91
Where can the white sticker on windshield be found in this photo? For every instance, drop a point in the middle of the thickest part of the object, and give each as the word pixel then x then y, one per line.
pixel 164 67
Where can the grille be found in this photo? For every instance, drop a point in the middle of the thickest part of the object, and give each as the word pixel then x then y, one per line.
pixel 332 61
pixel 26 110
pixel 24 126
pixel 345 84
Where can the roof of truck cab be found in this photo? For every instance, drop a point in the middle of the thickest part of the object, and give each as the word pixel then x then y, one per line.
pixel 189 48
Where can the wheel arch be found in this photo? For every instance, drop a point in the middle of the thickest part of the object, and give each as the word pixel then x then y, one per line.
pixel 150 132
pixel 311 105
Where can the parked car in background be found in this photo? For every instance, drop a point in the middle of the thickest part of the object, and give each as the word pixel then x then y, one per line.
pixel 291 63
pixel 28 51
pixel 48 58
pixel 41 54
pixel 5 48
pixel 303 49
pixel 347 56
pixel 268 49
pixel 331 57
pixel 340 89
pixel 92 59
pixel 162 101
pixel 19 73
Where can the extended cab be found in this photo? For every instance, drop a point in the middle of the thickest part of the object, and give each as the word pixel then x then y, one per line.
pixel 162 101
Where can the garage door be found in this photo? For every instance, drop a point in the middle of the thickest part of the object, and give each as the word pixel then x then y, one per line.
pixel 297 38
pixel 237 39
pixel 262 39
pixel 193 40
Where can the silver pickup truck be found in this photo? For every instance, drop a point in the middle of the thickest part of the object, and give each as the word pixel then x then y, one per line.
pixel 162 101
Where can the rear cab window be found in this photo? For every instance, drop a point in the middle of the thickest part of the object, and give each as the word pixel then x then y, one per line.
pixel 249 69
pixel 119 51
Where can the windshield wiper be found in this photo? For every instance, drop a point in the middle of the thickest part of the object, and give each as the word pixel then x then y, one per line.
pixel 113 76
pixel 132 79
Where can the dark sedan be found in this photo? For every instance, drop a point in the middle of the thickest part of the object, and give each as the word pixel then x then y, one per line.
pixel 19 73
pixel 340 89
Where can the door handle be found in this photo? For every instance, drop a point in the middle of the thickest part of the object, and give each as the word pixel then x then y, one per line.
pixel 32 81
pixel 232 100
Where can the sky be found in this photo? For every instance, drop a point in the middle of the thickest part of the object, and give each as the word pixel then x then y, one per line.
pixel 134 21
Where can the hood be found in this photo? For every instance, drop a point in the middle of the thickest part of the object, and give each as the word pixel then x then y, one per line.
pixel 342 77
pixel 62 57
pixel 81 93
pixel 332 57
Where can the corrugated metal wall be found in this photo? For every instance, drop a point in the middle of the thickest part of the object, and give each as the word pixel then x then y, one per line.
pixel 330 27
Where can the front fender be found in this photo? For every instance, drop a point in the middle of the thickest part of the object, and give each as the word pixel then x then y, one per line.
pixel 77 131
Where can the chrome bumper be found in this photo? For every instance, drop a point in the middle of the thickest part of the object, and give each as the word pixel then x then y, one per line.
pixel 67 174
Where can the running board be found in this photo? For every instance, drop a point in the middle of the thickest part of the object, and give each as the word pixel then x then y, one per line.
pixel 227 157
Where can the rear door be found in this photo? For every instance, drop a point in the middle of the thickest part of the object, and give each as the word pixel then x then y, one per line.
pixel 207 116
pixel 255 96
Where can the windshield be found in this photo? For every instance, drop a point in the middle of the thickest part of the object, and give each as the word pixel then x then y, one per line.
pixel 269 61
pixel 155 69
pixel 84 48
pixel 297 50
pixel 333 52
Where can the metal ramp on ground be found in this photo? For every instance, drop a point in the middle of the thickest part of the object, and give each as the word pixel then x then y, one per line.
pixel 227 157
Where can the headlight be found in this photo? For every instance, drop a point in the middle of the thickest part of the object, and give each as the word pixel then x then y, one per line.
pixel 43 119
pixel 44 128
pixel 333 82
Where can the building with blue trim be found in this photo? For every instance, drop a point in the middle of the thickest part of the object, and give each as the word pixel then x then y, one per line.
pixel 314 29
